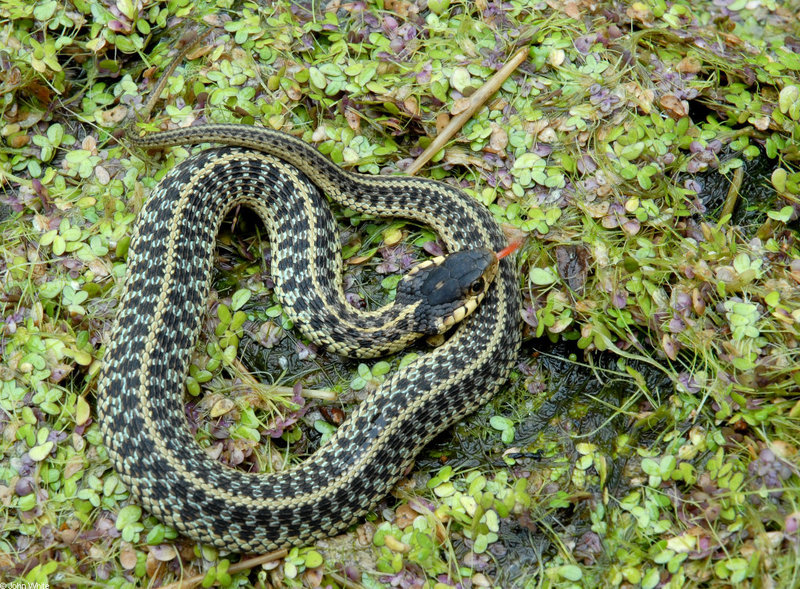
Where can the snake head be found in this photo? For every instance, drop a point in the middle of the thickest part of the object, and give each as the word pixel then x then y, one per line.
pixel 447 289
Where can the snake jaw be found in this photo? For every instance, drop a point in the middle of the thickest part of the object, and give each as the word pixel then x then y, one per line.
pixel 448 288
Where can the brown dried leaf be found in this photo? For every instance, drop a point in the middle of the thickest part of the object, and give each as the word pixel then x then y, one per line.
pixel 513 234
pixel 461 157
pixel 353 119
pixel 73 466
pixel 639 11
pixel 670 346
pixel 442 119
pixel 6 495
pixel 572 262
pixel 269 334
pixel 572 10
pixel 152 565
pixel 102 175
pixel 689 65
pixel 405 516
pixel 675 107
pixel 597 209
pixel 127 557
pixel 401 7
pixel 202 50
pixel 548 135
pixel 643 97
pixel 18 141
pixel 221 407
pixel 163 552
pixel 364 533
pixel 460 106
pixel 498 140
pixel 411 105
pixel 114 115
pixel 89 143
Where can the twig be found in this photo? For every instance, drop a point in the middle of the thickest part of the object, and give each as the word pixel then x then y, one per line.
pixel 234 568
pixel 307 393
pixel 344 581
pixel 476 101
pixel 733 194
pixel 768 229
pixel 249 379
pixel 191 43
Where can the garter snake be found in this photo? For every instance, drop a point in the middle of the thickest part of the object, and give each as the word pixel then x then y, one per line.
pixel 140 404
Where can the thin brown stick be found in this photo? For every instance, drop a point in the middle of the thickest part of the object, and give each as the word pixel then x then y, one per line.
pixel 344 581
pixel 234 568
pixel 191 43
pixel 476 101
pixel 250 380
pixel 733 194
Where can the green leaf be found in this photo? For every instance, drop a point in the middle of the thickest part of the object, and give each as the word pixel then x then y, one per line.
pixel 460 79
pixel 528 160
pixel 127 8
pixel 45 10
pixel 631 152
pixel 51 289
pixel 240 298
pixel 381 368
pixel 59 245
pixel 651 578
pixel 39 453
pixel 784 215
pixel 481 544
pixel 789 59
pixel 55 133
pixel 651 467
pixel 82 411
pixel 500 423
pixel 570 572
pixel 313 559
pixel 773 298
pixel 317 78
pixel 128 515
pixel 542 276
pixel 224 314
pixel 27 502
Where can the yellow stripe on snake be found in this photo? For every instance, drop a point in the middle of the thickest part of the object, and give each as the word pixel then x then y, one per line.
pixel 140 399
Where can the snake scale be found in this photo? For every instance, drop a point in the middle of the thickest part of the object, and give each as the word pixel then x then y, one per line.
pixel 140 399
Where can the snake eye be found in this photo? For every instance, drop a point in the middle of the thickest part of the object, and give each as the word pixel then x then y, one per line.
pixel 476 287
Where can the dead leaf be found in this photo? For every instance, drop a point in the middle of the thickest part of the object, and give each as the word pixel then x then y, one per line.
pixel 689 65
pixel 442 119
pixel 498 140
pixel 411 105
pixel 675 107
pixel 221 407
pixel 127 557
pixel 460 106
pixel 572 262
pixel 405 516
pixel 353 119
pixel 163 552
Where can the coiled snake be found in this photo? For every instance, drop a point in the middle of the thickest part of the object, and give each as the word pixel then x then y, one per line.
pixel 140 400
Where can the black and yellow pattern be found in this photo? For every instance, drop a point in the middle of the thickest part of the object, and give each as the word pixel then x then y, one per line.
pixel 140 393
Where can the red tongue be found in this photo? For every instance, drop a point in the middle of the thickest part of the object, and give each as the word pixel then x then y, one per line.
pixel 509 249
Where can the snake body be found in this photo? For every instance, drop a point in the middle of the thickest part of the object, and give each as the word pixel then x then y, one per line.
pixel 140 399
